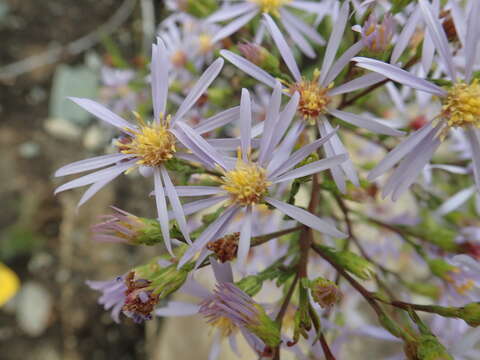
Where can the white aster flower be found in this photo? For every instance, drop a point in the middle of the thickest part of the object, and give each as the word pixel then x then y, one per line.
pixel 460 107
pixel 247 183
pixel 146 145
pixel 316 94
pixel 243 11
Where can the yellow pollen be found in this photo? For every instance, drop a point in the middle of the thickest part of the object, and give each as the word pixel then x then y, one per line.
pixel 153 144
pixel 461 107
pixel 205 42
pixel 466 287
pixel 313 98
pixel 247 183
pixel 225 325
pixel 271 6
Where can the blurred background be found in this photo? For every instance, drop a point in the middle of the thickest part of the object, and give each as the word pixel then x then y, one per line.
pixel 52 49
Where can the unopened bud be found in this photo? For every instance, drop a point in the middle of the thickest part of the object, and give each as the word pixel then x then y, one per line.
pixel 259 56
pixel 470 313
pixel 427 347
pixel 199 8
pixel 127 228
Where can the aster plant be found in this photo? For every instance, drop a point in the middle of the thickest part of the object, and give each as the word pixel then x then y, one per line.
pixel 266 174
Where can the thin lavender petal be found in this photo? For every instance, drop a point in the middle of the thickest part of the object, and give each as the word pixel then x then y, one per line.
pixel 283 47
pixel 103 113
pixel 162 210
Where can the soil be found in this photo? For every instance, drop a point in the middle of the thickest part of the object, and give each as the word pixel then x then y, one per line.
pixel 42 237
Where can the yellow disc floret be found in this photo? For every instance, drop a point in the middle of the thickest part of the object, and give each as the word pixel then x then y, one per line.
pixel 247 183
pixel 313 98
pixel 461 107
pixel 271 6
pixel 153 144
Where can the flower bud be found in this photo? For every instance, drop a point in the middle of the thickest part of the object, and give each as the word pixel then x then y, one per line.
pixel 428 347
pixel 260 56
pixel 127 228
pixel 325 292
pixel 351 262
pixel 200 8
pixel 470 313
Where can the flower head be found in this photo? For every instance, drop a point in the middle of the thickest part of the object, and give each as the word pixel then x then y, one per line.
pixel 246 183
pixel 244 11
pixel 460 106
pixel 147 145
pixel 377 36
pixel 230 307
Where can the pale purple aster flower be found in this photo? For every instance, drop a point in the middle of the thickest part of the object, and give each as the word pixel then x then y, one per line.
pixel 243 11
pixel 246 183
pixel 460 108
pixel 115 90
pixel 188 40
pixel 377 36
pixel 146 145
pixel 316 94
pixel 113 295
pixel 230 305
pixel 224 328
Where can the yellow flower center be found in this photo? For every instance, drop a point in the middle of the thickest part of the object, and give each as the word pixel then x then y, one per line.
pixel 461 107
pixel 153 144
pixel 271 6
pixel 247 183
pixel 205 43
pixel 313 98
pixel 225 325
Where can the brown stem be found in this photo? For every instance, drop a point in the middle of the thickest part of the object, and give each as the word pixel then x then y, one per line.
pixel 326 349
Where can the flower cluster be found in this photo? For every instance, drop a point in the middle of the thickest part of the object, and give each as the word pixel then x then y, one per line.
pixel 269 169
